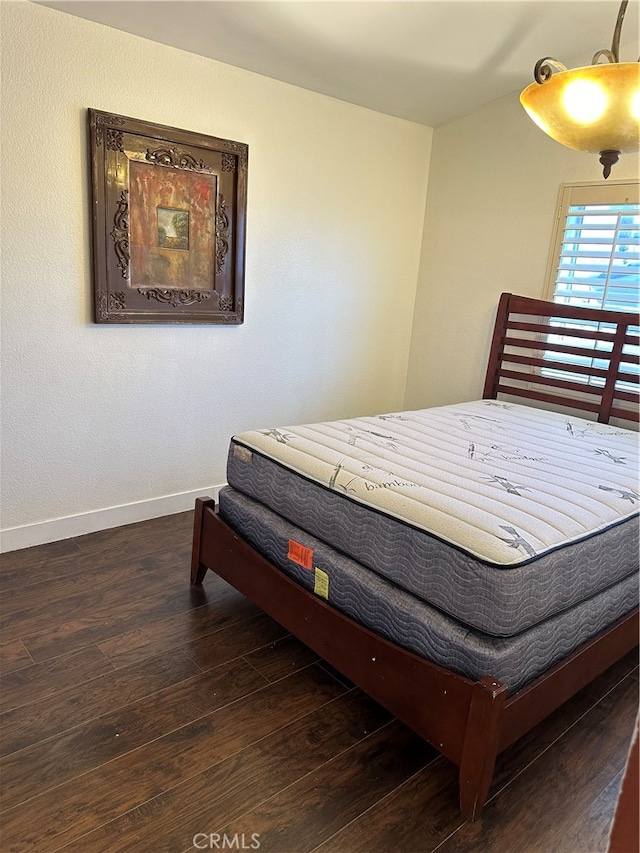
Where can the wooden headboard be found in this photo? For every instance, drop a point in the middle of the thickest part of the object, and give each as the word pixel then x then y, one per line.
pixel 530 357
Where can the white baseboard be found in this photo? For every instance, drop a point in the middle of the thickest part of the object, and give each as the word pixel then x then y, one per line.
pixel 13 538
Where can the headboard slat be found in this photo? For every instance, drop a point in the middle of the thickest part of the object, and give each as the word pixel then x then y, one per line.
pixel 552 381
pixel 625 414
pixel 512 391
pixel 550 363
pixel 551 346
pixel 543 329
pixel 629 377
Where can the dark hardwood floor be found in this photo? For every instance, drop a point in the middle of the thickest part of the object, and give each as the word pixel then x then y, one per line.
pixel 139 714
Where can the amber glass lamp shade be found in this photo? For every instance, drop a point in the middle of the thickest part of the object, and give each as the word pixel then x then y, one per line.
pixel 595 108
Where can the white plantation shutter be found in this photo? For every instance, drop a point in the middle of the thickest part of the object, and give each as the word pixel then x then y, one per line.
pixel 597 247
pixel 595 263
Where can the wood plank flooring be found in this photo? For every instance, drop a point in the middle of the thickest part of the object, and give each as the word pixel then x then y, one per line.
pixel 141 715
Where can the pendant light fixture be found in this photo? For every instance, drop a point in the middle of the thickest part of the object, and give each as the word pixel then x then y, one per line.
pixel 595 108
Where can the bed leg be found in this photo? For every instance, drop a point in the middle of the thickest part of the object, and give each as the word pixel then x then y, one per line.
pixel 480 745
pixel 198 570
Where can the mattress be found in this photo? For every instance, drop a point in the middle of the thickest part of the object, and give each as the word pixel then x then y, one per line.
pixel 408 621
pixel 498 514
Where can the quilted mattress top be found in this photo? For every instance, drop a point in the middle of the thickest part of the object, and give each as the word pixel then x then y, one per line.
pixel 505 483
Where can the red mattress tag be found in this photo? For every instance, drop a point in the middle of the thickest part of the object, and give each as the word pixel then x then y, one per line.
pixel 300 555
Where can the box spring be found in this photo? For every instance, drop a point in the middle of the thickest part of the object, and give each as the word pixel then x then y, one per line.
pixel 410 622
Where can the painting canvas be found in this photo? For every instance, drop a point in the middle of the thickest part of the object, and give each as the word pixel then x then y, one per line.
pixel 172 235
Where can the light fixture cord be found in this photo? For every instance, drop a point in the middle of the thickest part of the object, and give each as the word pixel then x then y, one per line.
pixel 615 44
pixel 613 55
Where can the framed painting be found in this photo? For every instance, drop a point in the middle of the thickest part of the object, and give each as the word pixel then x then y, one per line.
pixel 168 213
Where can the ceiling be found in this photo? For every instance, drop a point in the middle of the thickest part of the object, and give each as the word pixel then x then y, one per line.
pixel 429 62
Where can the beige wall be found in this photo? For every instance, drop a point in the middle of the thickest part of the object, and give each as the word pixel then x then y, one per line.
pixel 101 417
pixel 493 188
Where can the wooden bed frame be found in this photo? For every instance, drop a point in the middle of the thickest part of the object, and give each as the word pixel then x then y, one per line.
pixel 468 722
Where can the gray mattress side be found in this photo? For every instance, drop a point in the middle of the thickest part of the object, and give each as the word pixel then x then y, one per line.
pixel 411 623
pixel 495 600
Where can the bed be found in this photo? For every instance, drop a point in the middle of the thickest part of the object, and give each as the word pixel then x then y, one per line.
pixel 470 567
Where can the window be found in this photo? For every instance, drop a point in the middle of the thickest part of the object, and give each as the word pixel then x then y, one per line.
pixel 595 263
pixel 596 253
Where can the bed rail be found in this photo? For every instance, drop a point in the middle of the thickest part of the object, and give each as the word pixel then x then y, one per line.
pixel 470 722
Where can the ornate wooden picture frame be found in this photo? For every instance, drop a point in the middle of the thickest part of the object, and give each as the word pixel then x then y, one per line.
pixel 169 213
